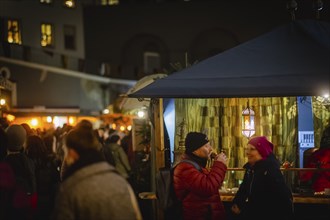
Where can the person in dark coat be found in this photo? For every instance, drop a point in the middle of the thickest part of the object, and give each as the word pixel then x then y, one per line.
pixel 120 160
pixel 7 181
pixel 47 175
pixel 23 184
pixel 199 190
pixel 263 193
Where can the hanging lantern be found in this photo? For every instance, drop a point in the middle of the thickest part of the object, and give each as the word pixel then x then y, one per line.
pixel 248 128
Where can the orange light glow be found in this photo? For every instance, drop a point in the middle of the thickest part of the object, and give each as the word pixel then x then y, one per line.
pixel 71 121
pixel 34 122
pixel 10 117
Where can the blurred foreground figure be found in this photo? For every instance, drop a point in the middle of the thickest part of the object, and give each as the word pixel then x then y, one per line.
pixel 91 188
pixel 263 193
pixel 319 159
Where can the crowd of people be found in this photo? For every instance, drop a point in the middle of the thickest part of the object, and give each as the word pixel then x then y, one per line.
pixel 82 173
pixel 62 174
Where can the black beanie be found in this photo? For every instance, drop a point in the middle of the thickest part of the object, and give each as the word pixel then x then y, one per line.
pixel 195 140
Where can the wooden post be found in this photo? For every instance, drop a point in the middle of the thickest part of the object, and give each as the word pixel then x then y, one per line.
pixel 157 139
pixel 157 148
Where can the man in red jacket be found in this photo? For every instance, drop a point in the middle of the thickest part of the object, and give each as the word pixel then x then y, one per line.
pixel 199 190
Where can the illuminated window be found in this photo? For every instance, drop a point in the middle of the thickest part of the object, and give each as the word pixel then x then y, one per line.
pixel 47 35
pixel 109 2
pixel 69 3
pixel 13 32
pixel 46 1
pixel 69 37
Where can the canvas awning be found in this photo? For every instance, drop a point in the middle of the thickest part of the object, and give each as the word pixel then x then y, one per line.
pixel 292 60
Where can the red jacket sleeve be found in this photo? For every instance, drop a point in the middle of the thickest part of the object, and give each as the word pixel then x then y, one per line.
pixel 205 183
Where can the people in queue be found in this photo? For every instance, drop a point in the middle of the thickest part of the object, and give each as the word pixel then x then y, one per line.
pixel 319 181
pixel 198 190
pixel 263 194
pixel 47 175
pixel 91 188
pixel 7 181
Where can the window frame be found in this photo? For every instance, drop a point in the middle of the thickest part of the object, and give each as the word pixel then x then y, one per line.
pixel 52 44
pixel 19 31
pixel 74 37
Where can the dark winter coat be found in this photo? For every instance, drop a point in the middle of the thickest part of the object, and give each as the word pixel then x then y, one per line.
pixel 199 191
pixel 24 171
pixel 263 193
pixel 24 196
pixel 121 162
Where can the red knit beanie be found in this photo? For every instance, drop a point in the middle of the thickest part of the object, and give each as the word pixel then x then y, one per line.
pixel 263 146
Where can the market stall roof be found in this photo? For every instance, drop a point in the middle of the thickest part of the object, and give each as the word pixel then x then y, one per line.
pixel 291 60
pixel 128 103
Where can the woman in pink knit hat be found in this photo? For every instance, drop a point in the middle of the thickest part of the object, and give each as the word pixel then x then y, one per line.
pixel 263 193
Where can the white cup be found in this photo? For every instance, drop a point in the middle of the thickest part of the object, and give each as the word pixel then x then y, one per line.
pixel 327 191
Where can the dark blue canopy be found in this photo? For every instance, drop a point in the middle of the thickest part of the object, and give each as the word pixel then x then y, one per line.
pixel 292 60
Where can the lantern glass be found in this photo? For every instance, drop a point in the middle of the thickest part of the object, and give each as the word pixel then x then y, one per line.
pixel 248 126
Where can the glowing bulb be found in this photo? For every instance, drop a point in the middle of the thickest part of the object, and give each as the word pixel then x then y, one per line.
pixel 56 121
pixel 247 126
pixel 49 119
pixel 140 114
pixel 71 120
pixel 34 122
pixel 69 3
pixel 2 101
pixel 106 111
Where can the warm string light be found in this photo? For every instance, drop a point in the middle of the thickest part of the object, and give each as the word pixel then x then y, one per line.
pixel 2 101
pixel 324 100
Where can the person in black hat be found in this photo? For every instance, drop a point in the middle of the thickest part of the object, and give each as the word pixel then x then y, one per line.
pixel 198 189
